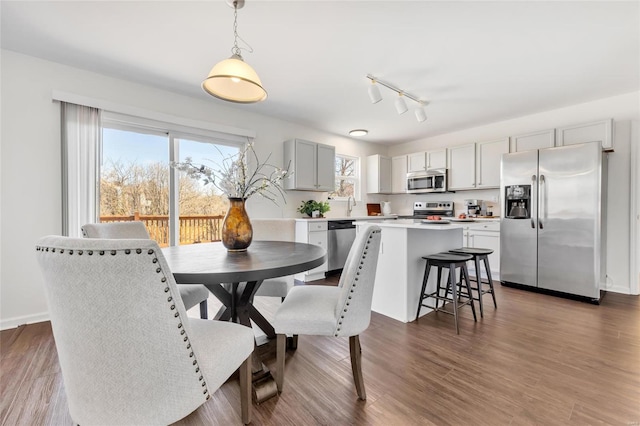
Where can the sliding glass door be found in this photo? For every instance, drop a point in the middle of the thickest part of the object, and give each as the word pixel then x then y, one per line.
pixel 137 183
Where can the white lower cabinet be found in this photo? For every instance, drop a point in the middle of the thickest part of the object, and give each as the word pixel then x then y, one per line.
pixel 312 232
pixel 486 236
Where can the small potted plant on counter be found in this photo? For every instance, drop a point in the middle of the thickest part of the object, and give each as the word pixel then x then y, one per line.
pixel 311 207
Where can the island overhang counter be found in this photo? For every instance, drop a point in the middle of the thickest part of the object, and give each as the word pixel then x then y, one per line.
pixel 400 264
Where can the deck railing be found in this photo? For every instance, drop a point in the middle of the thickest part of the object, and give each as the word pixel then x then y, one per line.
pixel 193 229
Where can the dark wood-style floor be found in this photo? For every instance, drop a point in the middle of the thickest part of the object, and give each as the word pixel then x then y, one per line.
pixel 537 359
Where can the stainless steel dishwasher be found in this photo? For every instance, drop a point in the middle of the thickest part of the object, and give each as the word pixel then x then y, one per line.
pixel 340 237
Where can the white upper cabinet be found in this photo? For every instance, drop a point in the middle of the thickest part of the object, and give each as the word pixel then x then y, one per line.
pixel 312 165
pixel 588 132
pixel 378 174
pixel 488 158
pixel 437 159
pixel 534 140
pixel 421 161
pixel 399 174
pixel 462 167
pixel 326 166
pixel 417 162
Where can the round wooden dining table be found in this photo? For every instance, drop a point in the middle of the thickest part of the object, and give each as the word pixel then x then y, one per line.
pixel 234 278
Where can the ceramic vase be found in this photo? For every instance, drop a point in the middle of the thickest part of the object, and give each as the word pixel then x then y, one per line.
pixel 237 232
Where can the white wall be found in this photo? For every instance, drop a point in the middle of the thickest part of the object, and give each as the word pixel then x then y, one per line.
pixel 624 109
pixel 30 173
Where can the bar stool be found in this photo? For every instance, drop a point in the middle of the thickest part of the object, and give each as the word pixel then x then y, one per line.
pixel 449 261
pixel 480 254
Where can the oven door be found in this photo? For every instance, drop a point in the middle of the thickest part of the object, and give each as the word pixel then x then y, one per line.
pixel 419 182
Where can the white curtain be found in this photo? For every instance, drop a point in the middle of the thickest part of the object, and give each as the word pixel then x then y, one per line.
pixel 81 140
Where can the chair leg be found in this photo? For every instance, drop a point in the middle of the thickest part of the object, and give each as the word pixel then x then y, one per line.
pixel 292 342
pixel 465 272
pixel 281 343
pixel 204 311
pixel 424 288
pixel 456 294
pixel 245 390
pixel 356 365
pixel 479 284
pixel 490 278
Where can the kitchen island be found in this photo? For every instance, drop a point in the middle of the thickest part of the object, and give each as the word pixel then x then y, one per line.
pixel 400 264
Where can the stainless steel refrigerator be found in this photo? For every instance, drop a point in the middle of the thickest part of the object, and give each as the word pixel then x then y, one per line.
pixel 552 232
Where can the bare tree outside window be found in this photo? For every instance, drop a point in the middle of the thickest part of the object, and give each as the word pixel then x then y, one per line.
pixel 135 184
pixel 347 177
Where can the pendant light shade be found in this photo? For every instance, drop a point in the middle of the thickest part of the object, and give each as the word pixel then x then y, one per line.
pixel 235 81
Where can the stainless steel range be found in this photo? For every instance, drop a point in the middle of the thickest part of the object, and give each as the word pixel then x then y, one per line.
pixel 422 209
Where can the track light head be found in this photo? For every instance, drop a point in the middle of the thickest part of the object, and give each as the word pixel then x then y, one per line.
pixel 401 105
pixel 420 114
pixel 374 93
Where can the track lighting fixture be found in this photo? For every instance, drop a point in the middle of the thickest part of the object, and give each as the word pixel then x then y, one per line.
pixel 233 79
pixel 400 103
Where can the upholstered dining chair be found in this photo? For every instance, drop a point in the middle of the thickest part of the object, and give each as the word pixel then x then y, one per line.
pixel 191 294
pixel 123 362
pixel 339 311
pixel 275 230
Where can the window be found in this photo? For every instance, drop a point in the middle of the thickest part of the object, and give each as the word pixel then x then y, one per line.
pixel 347 177
pixel 137 183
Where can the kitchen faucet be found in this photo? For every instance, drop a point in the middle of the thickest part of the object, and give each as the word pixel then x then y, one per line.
pixel 349 205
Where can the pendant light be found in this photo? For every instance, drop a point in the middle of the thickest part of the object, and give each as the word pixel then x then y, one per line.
pixel 233 79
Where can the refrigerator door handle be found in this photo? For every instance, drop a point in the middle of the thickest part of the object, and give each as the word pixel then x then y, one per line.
pixel 540 201
pixel 533 184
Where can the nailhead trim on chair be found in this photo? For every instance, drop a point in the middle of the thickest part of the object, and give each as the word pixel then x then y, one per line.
pixel 172 306
pixel 353 284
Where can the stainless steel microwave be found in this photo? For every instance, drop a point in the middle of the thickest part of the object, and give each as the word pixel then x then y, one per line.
pixel 434 180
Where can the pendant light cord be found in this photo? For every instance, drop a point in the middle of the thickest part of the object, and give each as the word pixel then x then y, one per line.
pixel 235 49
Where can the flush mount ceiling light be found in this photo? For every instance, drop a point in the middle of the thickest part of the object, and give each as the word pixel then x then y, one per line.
pixel 358 132
pixel 400 103
pixel 233 79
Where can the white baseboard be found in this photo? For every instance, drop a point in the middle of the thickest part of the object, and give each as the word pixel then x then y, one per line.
pixel 14 322
pixel 617 289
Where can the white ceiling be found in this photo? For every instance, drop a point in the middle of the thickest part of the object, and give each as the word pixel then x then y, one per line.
pixel 474 62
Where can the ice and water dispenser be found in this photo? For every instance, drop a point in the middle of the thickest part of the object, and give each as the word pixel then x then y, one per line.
pixel 518 202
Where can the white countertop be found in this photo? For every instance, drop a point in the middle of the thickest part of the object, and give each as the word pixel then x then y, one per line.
pixel 413 224
pixel 373 218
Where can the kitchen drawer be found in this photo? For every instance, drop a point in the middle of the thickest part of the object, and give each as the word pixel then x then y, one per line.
pixel 318 239
pixel 487 226
pixel 317 226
